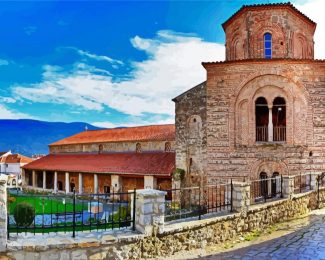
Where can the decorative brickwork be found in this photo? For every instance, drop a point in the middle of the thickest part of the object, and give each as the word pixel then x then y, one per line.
pixel 233 137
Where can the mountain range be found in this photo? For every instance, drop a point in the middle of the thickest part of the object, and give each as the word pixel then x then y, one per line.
pixel 31 137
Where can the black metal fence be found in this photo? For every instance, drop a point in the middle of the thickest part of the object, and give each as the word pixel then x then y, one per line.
pixel 45 213
pixel 302 183
pixel 266 189
pixel 320 185
pixel 188 202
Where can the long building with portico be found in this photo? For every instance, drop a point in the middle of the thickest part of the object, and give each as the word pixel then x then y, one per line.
pixel 102 161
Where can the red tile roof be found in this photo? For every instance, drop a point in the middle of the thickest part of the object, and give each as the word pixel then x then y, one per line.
pixel 140 133
pixel 16 158
pixel 162 164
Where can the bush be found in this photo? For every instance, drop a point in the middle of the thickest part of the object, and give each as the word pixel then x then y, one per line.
pixel 24 214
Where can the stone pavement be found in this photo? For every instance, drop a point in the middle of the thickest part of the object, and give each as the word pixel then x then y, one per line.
pixel 307 242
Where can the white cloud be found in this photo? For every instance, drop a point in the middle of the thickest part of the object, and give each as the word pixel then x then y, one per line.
pixel 99 57
pixel 4 62
pixel 6 113
pixel 7 100
pixel 314 9
pixel 137 122
pixel 173 66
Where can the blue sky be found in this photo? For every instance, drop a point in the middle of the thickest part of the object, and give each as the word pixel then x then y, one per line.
pixel 110 63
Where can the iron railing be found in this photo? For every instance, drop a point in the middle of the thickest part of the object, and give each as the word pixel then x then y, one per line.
pixel 279 133
pixel 188 202
pixel 302 183
pixel 261 133
pixel 73 213
pixel 266 189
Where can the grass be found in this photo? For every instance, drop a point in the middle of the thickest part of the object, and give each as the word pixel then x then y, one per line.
pixel 46 205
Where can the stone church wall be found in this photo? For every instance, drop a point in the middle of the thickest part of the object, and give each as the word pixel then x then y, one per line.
pixel 232 89
pixel 190 125
pixel 111 147
pixel 292 36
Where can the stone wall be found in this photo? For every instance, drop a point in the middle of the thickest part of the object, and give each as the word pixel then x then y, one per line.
pixel 190 123
pixel 112 147
pixel 292 35
pixel 212 231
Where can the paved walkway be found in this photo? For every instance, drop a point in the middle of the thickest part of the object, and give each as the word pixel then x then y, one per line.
pixel 299 239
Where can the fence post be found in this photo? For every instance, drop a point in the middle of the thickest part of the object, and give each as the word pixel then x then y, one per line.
pixel 4 216
pixel 199 202
pixel 149 211
pixel 318 196
pixel 281 186
pixel 231 191
pixel 134 199
pixel 288 186
pixel 241 196
pixel 74 215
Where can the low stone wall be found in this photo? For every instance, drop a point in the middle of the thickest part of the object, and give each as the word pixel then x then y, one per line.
pixel 186 235
pixel 199 233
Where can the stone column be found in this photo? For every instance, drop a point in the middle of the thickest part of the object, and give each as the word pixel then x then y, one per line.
pixel 149 211
pixel 288 186
pixel 95 183
pixel 270 126
pixel 67 183
pixel 34 179
pixel 23 177
pixel 44 180
pixel 55 182
pixel 150 182
pixel 3 214
pixel 116 182
pixel 80 184
pixel 240 196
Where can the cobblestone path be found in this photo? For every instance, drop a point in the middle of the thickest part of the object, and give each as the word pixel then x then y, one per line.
pixel 304 243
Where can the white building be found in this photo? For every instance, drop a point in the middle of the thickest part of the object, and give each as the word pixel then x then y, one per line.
pixel 10 165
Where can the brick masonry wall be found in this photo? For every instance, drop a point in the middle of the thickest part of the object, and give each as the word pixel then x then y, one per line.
pixel 292 36
pixel 190 124
pixel 230 127
pixel 112 147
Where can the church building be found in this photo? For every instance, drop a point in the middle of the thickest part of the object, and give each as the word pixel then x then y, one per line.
pixel 105 161
pixel 261 112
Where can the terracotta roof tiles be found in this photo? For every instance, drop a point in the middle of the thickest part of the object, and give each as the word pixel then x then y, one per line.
pixel 150 163
pixel 139 133
pixel 16 158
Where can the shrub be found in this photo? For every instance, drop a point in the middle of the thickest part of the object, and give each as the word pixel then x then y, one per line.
pixel 178 174
pixel 24 214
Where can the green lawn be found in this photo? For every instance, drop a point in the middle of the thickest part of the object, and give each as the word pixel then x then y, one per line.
pixel 46 205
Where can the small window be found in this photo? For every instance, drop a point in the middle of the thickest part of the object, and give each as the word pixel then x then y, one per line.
pixel 138 148
pixel 100 148
pixel 268 46
pixel 168 147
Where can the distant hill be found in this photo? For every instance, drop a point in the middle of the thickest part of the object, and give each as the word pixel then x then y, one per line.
pixel 30 137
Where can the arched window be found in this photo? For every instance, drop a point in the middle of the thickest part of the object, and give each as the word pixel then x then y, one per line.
pixel 279 119
pixel 168 147
pixel 261 119
pixel 100 148
pixel 267 46
pixel 138 148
